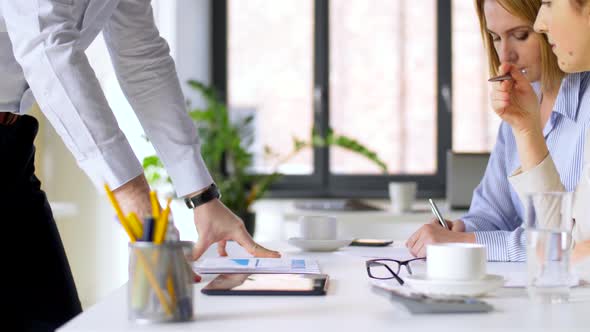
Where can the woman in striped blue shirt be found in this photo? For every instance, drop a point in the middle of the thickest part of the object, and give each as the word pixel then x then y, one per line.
pixel 515 103
pixel 496 212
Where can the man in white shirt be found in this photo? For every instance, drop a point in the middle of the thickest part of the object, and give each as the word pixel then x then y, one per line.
pixel 42 60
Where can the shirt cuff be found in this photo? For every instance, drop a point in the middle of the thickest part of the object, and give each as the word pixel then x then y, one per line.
pixel 542 178
pixel 189 174
pixel 114 165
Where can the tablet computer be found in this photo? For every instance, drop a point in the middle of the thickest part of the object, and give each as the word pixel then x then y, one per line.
pixel 267 284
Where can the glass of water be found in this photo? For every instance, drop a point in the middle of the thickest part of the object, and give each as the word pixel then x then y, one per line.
pixel 548 224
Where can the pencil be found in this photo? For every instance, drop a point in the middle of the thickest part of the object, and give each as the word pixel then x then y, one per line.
pixel 155 205
pixel 162 224
pixel 135 224
pixel 114 203
pixel 119 213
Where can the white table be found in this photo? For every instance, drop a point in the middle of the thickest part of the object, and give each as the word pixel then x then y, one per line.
pixel 351 305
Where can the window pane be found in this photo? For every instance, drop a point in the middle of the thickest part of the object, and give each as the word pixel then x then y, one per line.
pixel 270 76
pixel 383 83
pixel 475 125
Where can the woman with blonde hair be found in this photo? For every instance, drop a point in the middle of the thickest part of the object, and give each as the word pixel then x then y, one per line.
pixel 516 104
pixel 496 212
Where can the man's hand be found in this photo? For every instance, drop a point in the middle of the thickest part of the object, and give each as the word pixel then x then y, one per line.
pixel 134 196
pixel 216 223
pixel 435 233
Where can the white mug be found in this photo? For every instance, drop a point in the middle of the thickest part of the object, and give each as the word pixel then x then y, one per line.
pixel 318 227
pixel 402 195
pixel 456 261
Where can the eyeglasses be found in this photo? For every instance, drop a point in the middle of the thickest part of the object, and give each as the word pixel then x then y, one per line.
pixel 384 268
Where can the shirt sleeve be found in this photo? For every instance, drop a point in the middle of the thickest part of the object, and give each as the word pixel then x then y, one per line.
pixel 492 215
pixel 148 77
pixel 45 35
pixel 541 178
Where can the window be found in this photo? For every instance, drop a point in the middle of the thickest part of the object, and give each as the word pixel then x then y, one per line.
pixel 270 74
pixel 378 71
pixel 383 84
pixel 475 125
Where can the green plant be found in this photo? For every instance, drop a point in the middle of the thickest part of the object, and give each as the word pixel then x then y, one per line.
pixel 224 146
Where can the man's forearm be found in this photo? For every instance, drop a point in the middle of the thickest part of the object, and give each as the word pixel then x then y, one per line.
pixel 134 196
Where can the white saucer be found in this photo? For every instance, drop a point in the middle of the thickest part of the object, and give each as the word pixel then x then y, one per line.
pixel 422 284
pixel 318 245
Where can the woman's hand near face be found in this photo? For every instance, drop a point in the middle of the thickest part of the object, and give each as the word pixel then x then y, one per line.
pixel 516 103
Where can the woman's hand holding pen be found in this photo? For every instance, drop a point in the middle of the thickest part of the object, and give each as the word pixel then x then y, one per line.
pixel 516 102
pixel 435 233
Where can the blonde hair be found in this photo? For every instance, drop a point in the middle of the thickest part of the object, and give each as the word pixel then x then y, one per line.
pixel 526 10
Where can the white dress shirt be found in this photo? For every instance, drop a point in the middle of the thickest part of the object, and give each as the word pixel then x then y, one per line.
pixel 43 59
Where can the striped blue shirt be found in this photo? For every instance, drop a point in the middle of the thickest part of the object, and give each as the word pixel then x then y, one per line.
pixel 496 213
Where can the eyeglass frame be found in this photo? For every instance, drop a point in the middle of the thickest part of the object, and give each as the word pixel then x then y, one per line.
pixel 395 275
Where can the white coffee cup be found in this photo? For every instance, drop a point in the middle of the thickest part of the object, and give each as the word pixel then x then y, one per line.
pixel 456 261
pixel 402 195
pixel 318 227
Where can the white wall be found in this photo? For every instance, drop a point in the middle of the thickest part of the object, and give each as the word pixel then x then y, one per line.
pixel 95 244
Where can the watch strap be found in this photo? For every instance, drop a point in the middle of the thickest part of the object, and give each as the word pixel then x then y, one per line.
pixel 208 195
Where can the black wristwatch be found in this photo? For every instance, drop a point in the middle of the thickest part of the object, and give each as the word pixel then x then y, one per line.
pixel 208 195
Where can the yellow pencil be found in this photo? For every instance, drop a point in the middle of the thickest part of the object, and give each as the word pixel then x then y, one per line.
pixel 170 286
pixel 155 205
pixel 114 202
pixel 136 225
pixel 119 212
pixel 128 230
pixel 163 224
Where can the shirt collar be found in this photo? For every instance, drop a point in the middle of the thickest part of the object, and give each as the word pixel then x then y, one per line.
pixel 568 97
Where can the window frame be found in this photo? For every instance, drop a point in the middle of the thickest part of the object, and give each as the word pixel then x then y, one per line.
pixel 322 183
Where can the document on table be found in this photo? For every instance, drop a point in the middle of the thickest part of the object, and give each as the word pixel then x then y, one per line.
pixel 256 265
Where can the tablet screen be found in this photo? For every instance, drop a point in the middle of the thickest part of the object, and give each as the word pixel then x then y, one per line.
pixel 267 284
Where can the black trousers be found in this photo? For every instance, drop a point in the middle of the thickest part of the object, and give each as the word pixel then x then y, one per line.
pixel 41 292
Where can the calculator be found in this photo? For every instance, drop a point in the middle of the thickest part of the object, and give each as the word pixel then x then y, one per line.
pixel 422 304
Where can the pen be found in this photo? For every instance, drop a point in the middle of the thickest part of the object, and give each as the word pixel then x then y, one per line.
pixel 148 229
pixel 506 77
pixel 436 212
